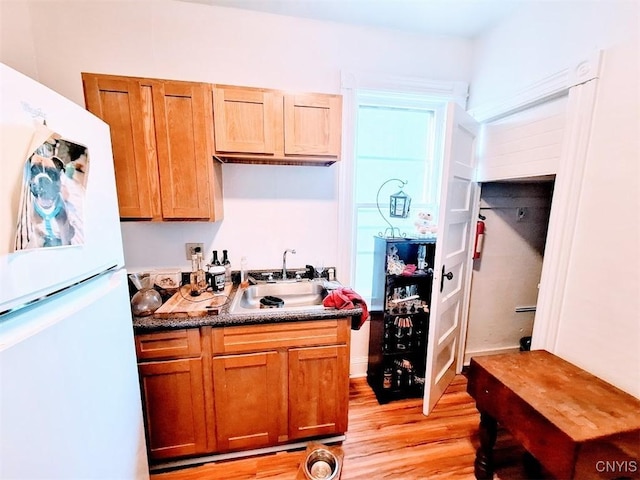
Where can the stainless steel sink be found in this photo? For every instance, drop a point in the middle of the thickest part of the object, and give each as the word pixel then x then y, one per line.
pixel 295 295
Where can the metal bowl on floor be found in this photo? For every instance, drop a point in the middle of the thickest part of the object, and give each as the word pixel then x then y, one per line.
pixel 321 464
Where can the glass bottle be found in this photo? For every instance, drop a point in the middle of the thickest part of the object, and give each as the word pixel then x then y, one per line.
pixel 193 276
pixel 387 378
pixel 201 278
pixel 227 267
pixel 244 280
pixel 215 262
pixel 398 377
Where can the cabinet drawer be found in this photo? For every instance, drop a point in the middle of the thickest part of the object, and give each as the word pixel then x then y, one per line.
pixel 279 335
pixel 168 344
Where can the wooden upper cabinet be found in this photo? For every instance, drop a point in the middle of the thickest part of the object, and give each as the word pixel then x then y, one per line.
pixel 312 124
pixel 118 101
pixel 244 120
pixel 182 114
pixel 162 139
pixel 255 125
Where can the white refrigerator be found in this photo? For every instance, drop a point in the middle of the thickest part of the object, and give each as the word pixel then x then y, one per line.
pixel 70 403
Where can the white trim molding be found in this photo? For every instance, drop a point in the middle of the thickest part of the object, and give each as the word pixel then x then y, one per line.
pixel 352 82
pixel 358 367
pixel 455 91
pixel 554 85
pixel 564 209
pixel 580 84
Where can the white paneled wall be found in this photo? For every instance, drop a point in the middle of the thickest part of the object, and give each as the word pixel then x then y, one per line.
pixel 524 144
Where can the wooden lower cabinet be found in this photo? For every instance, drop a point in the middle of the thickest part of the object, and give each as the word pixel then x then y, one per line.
pixel 174 407
pixel 318 391
pixel 248 399
pixel 215 390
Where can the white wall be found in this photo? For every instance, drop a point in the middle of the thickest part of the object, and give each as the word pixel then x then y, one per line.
pixel 266 208
pixel 599 330
pixel 17 48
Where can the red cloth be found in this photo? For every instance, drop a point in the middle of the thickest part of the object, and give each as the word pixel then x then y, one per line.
pixel 345 299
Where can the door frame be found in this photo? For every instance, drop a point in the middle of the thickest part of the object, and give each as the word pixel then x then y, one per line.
pixel 579 83
pixel 351 82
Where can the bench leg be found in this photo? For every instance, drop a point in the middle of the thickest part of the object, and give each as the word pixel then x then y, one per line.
pixel 532 467
pixel 483 465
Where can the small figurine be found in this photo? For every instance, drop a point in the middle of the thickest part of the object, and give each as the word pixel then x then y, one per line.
pixel 424 224
pixel 395 266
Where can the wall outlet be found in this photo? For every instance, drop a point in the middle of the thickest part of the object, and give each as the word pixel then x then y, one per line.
pixel 191 248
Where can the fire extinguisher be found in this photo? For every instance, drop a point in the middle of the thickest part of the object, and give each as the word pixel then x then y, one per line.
pixel 477 248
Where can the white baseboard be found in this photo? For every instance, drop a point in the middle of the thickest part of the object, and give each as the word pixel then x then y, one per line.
pixel 358 367
pixel 492 351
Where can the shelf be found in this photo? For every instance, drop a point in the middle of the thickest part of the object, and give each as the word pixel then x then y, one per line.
pixel 414 275
pixel 411 292
pixel 384 395
pixel 400 353
pixel 389 313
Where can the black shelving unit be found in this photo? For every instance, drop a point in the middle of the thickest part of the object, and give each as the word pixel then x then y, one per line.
pixel 399 321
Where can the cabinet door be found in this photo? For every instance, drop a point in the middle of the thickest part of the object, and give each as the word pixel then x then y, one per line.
pixel 173 399
pixel 244 120
pixel 182 113
pixel 248 400
pixel 318 390
pixel 119 102
pixel 312 124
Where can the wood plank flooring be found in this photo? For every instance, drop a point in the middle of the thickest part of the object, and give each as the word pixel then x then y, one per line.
pixel 392 441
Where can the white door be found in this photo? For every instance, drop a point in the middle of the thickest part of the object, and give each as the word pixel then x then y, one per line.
pixel 451 278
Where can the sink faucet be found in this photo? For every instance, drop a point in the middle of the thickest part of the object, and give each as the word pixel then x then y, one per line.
pixel 284 263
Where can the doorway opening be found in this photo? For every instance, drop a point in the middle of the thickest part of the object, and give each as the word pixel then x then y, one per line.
pixel 505 279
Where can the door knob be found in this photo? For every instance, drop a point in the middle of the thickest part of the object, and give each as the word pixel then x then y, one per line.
pixel 448 276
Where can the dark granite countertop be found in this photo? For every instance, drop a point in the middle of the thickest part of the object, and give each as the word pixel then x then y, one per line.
pixel 225 319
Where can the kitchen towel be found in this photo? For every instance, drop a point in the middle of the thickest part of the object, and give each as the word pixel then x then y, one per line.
pixel 345 299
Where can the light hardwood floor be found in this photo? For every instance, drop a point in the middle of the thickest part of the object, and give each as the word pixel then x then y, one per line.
pixel 392 441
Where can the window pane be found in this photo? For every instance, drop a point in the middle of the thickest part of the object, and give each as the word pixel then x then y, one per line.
pixel 392 142
pixel 392 133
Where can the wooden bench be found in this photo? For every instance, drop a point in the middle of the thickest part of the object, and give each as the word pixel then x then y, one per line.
pixel 576 425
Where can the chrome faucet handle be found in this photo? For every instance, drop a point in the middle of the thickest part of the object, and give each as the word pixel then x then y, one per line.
pixel 299 274
pixel 269 276
pixel 284 262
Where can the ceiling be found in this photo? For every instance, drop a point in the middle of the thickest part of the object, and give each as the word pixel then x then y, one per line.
pixel 463 18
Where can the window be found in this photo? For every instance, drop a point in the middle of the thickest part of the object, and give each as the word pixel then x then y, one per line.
pixel 396 136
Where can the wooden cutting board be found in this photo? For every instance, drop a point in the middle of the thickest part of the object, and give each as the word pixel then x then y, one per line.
pixel 182 304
